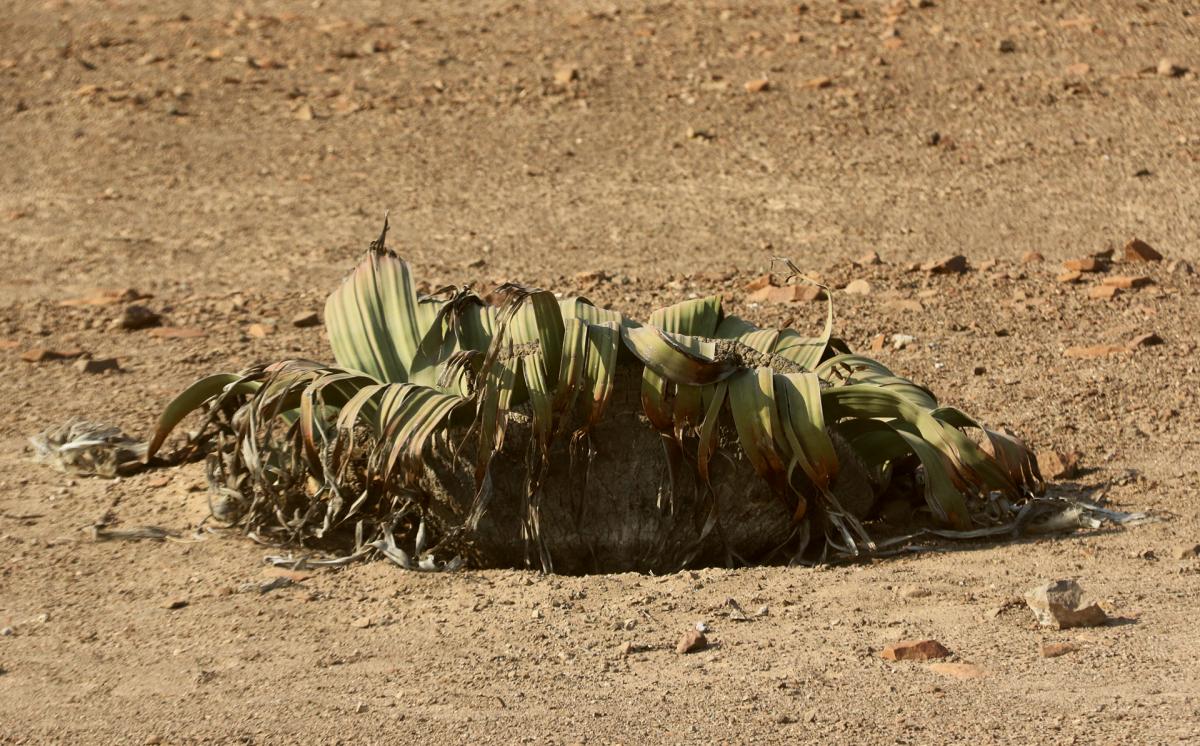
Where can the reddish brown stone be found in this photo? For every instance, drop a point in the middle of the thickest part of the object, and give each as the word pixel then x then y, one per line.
pixel 1086 264
pixel 1126 282
pixel 692 641
pixel 1138 250
pixel 915 650
pixel 1055 649
pixel 1103 292
pixel 946 265
pixel 1058 464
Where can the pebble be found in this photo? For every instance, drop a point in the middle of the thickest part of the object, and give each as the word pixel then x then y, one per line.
pixel 758 85
pixel 1138 250
pixel 900 341
pixel 1144 340
pixel 1070 276
pixel 1032 257
pixel 361 622
pixel 869 259
pixel 175 603
pixel 136 317
pixel 955 263
pixel 858 287
pixel 1126 282
pixel 1055 649
pixel 260 331
pixel 692 641
pixel 1060 604
pixel 1006 46
pixel 97 365
pixel 1086 264
pixel 1058 464
pixel 1103 292
pixel 1169 69
pixel 306 320
pixel 915 650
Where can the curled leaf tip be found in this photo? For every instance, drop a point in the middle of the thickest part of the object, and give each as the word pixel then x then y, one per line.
pixel 379 245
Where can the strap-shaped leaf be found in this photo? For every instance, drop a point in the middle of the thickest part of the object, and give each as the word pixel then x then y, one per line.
pixel 805 425
pixel 194 396
pixel 603 342
pixel 756 418
pixel 375 321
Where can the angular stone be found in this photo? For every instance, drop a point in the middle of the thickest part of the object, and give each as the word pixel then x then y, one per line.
pixel 1126 282
pixel 1103 292
pixel 915 650
pixel 691 641
pixel 1070 276
pixel 1086 264
pixel 1169 69
pixel 1032 257
pixel 1060 604
pixel 97 365
pixel 260 331
pixel 1058 464
pixel 41 355
pixel 566 74
pixel 787 294
pixel 305 320
pixel 955 263
pixel 758 283
pixel 136 317
pixel 1138 250
pixel 1187 551
pixel 869 259
pixel 1144 340
pixel 757 85
pixel 1055 649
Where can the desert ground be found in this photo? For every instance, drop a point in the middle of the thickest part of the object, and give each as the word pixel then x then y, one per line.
pixel 229 162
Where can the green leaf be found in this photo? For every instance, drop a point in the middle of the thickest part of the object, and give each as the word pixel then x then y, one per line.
pixel 193 397
pixel 375 322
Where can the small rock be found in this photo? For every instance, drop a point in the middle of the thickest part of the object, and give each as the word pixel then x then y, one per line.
pixel 869 259
pixel 858 287
pixel 1032 257
pixel 362 622
pixel 979 370
pixel 1187 551
pixel 900 341
pixel 1103 292
pixel 787 294
pixel 933 138
pixel 1138 250
pixel 7 632
pixel 692 641
pixel 175 603
pixel 627 648
pixel 878 342
pixel 41 355
pixel 136 317
pixel 1169 69
pixel 1059 604
pixel 1179 267
pixel 1078 70
pixel 1055 649
pixel 956 263
pixel 987 264
pixel 1125 282
pixel 566 74
pixel 961 671
pixel 818 83
pixel 360 708
pixel 757 85
pixel 1086 264
pixel 915 591
pixel 1006 46
pixel 306 320
pixel 1144 340
pixel 1058 464
pixel 1070 277
pixel 915 650
pixel 260 331
pixel 98 365
pixel 295 576
pixel 758 283
pixel 304 113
